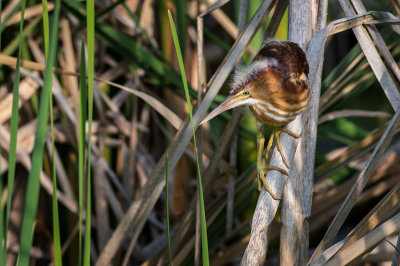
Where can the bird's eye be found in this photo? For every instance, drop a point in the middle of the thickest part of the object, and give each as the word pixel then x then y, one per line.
pixel 245 92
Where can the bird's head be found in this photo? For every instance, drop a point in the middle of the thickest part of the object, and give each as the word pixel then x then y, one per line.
pixel 236 98
pixel 277 77
pixel 251 85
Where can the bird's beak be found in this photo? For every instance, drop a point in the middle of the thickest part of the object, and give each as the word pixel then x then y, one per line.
pixel 230 102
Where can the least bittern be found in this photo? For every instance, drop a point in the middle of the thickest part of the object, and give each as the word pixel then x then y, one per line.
pixel 275 87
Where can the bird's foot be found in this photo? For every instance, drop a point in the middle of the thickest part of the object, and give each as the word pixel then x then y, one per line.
pixel 287 131
pixel 277 134
pixel 261 172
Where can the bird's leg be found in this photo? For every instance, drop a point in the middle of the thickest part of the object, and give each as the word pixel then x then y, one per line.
pixel 261 169
pixel 260 149
pixel 276 134
pixel 269 146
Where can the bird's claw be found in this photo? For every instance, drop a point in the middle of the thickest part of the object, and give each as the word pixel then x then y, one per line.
pixel 287 131
pixel 262 181
pixel 276 135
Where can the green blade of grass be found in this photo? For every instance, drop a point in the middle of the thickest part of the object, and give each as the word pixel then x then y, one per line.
pixel 81 143
pixel 204 244
pixel 32 194
pixel 56 224
pixel 3 250
pixel 167 211
pixel 90 41
pixel 0 24
pixel 13 138
pixel 180 19
pixel 46 28
pixel 2 228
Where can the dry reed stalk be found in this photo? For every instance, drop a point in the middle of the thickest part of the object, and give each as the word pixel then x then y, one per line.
pixel 373 31
pixel 70 82
pixel 393 96
pixel 366 243
pixel 296 199
pixel 349 113
pixel 266 208
pixel 27 88
pixel 170 116
pixel 138 212
pixel 396 256
pixel 201 80
pixel 30 12
pixel 373 57
pixel 45 181
pixel 358 185
pixel 187 218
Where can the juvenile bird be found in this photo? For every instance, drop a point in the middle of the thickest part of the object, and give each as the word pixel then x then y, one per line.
pixel 275 87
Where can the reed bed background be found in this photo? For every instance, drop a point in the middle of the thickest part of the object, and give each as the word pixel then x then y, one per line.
pixel 96 134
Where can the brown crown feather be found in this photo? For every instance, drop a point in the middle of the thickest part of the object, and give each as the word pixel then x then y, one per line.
pixel 286 70
pixel 289 55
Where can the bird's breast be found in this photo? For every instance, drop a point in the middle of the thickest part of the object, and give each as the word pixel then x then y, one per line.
pixel 273 114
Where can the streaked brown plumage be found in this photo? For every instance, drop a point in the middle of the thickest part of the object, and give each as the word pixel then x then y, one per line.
pixel 275 87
